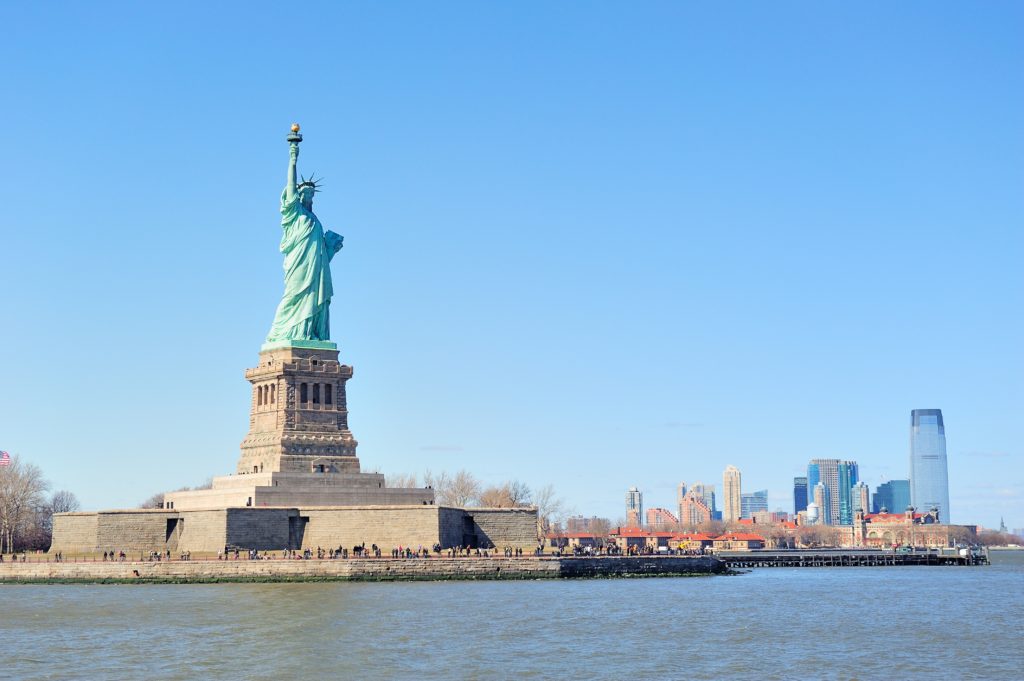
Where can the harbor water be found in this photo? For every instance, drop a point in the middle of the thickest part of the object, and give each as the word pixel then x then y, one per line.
pixel 783 623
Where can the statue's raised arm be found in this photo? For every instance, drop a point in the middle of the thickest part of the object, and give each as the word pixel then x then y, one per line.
pixel 293 160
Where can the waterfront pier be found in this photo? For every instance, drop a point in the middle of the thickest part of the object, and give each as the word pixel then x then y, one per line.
pixel 847 558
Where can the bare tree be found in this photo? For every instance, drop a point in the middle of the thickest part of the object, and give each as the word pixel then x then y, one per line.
pixel 776 536
pixel 154 501
pixel 464 490
pixel 157 500
pixel 37 532
pixel 600 527
pixel 993 538
pixel 495 496
pixel 461 489
pixel 817 535
pixel 965 535
pixel 403 480
pixel 431 480
pixel 439 483
pixel 21 496
pixel 64 501
pixel 551 509
pixel 519 493
pixel 713 528
pixel 510 494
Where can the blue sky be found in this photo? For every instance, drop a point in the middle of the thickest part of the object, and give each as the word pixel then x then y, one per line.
pixel 592 245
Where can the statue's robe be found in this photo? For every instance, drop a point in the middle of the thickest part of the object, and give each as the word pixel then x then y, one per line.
pixel 304 310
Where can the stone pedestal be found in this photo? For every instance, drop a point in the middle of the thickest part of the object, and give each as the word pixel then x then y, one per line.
pixel 297 484
pixel 299 451
pixel 298 419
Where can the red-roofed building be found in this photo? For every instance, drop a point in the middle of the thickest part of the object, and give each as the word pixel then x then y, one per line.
pixel 639 540
pixel 691 542
pixel 738 541
pixel 907 529
pixel 583 540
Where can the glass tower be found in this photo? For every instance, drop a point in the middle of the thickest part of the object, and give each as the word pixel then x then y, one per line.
pixel 848 477
pixel 634 506
pixel 707 493
pixel 929 481
pixel 753 502
pixel 799 495
pixel 839 477
pixel 893 496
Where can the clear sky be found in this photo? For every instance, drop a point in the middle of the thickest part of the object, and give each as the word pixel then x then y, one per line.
pixel 597 245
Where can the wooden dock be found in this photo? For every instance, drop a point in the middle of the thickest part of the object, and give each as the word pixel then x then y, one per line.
pixel 847 558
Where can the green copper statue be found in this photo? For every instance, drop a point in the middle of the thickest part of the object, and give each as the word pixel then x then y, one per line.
pixel 303 314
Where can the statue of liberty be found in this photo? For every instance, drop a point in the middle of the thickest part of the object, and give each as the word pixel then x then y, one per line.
pixel 303 314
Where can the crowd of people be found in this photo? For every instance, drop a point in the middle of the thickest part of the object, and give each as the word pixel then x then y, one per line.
pixel 615 550
pixel 372 551
pixel 320 553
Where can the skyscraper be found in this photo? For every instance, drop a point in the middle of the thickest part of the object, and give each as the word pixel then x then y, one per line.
pixel 799 495
pixel 634 506
pixel 839 477
pixel 929 481
pixel 660 518
pixel 823 502
pixel 707 493
pixel 861 497
pixel 893 496
pixel 848 477
pixel 699 491
pixel 753 502
pixel 692 509
pixel 731 485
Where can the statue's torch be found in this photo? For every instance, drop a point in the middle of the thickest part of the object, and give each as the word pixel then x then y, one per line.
pixel 295 137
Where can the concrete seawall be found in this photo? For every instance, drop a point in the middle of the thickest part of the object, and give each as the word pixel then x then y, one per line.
pixel 359 569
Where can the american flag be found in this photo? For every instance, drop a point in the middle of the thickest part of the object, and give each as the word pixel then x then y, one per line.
pixel 5 459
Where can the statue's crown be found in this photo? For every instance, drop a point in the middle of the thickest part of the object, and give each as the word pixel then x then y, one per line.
pixel 315 184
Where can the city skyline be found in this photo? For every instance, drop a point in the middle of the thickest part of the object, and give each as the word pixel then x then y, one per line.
pixel 743 234
pixel 833 490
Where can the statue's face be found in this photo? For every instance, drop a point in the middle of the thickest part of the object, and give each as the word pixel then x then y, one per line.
pixel 306 196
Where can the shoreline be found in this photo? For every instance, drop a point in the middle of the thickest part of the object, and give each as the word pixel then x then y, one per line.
pixel 358 570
